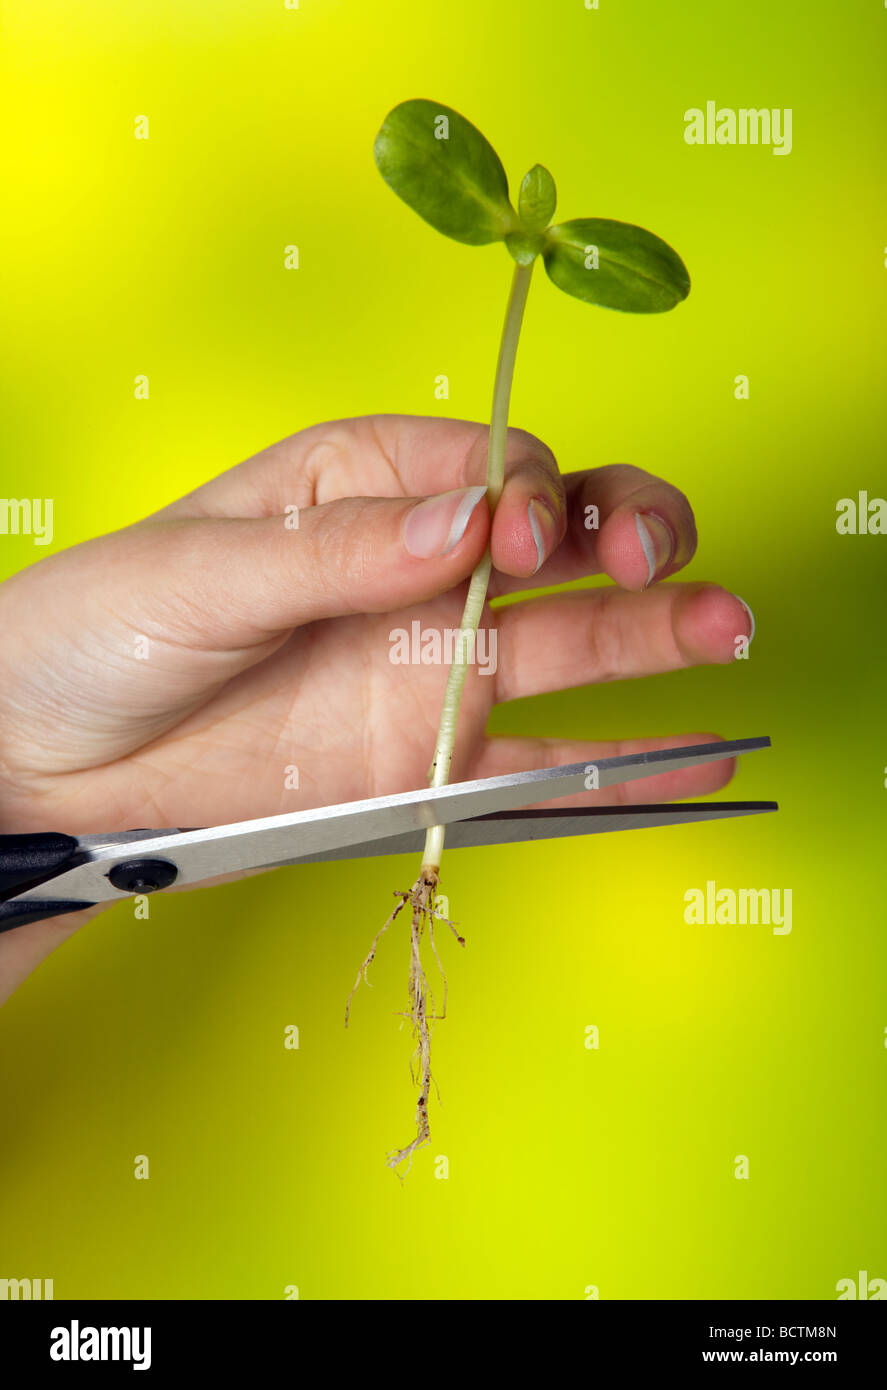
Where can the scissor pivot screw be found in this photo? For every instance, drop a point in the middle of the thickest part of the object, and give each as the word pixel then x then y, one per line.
pixel 143 875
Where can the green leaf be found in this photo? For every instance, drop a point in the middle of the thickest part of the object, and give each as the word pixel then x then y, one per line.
pixel 615 265
pixel 446 170
pixel 537 198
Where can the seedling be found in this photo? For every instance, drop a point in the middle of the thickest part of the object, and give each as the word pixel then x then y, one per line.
pixel 441 165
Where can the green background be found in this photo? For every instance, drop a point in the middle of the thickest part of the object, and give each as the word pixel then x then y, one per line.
pixel 568 1167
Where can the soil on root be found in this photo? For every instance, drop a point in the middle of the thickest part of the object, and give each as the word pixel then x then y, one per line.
pixel 422 1013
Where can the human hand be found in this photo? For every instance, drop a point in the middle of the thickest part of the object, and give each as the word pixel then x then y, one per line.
pixel 173 672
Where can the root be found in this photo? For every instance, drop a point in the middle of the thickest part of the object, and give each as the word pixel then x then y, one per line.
pixel 371 954
pixel 422 899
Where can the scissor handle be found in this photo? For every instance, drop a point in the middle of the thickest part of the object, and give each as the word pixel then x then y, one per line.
pixel 27 860
pixel 26 857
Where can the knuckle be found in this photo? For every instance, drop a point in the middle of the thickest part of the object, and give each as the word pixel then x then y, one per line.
pixel 605 638
pixel 530 448
pixel 630 476
pixel 343 547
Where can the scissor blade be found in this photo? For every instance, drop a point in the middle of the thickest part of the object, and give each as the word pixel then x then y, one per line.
pixel 259 844
pixel 516 827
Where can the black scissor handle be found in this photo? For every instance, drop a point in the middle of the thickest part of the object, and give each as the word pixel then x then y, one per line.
pixel 20 912
pixel 27 857
pixel 27 860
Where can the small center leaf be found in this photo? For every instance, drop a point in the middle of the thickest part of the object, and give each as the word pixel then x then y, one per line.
pixel 537 198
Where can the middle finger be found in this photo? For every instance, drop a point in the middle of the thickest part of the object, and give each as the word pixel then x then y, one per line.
pixel 564 640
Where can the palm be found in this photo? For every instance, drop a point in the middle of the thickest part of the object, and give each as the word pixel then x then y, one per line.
pixel 330 704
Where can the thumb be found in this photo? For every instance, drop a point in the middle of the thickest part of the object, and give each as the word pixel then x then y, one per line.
pixel 110 644
pixel 230 582
pixel 207 598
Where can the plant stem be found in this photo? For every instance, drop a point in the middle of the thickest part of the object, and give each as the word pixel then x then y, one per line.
pixel 477 589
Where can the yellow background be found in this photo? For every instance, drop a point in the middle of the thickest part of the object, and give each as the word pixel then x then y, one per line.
pixel 567 1167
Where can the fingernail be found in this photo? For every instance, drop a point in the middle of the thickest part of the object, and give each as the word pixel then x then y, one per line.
pixel 544 529
pixel 657 541
pixel 437 525
pixel 750 614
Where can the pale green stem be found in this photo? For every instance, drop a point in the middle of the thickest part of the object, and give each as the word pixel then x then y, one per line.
pixel 477 589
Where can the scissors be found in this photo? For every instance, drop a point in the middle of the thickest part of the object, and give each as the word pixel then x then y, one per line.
pixel 46 874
